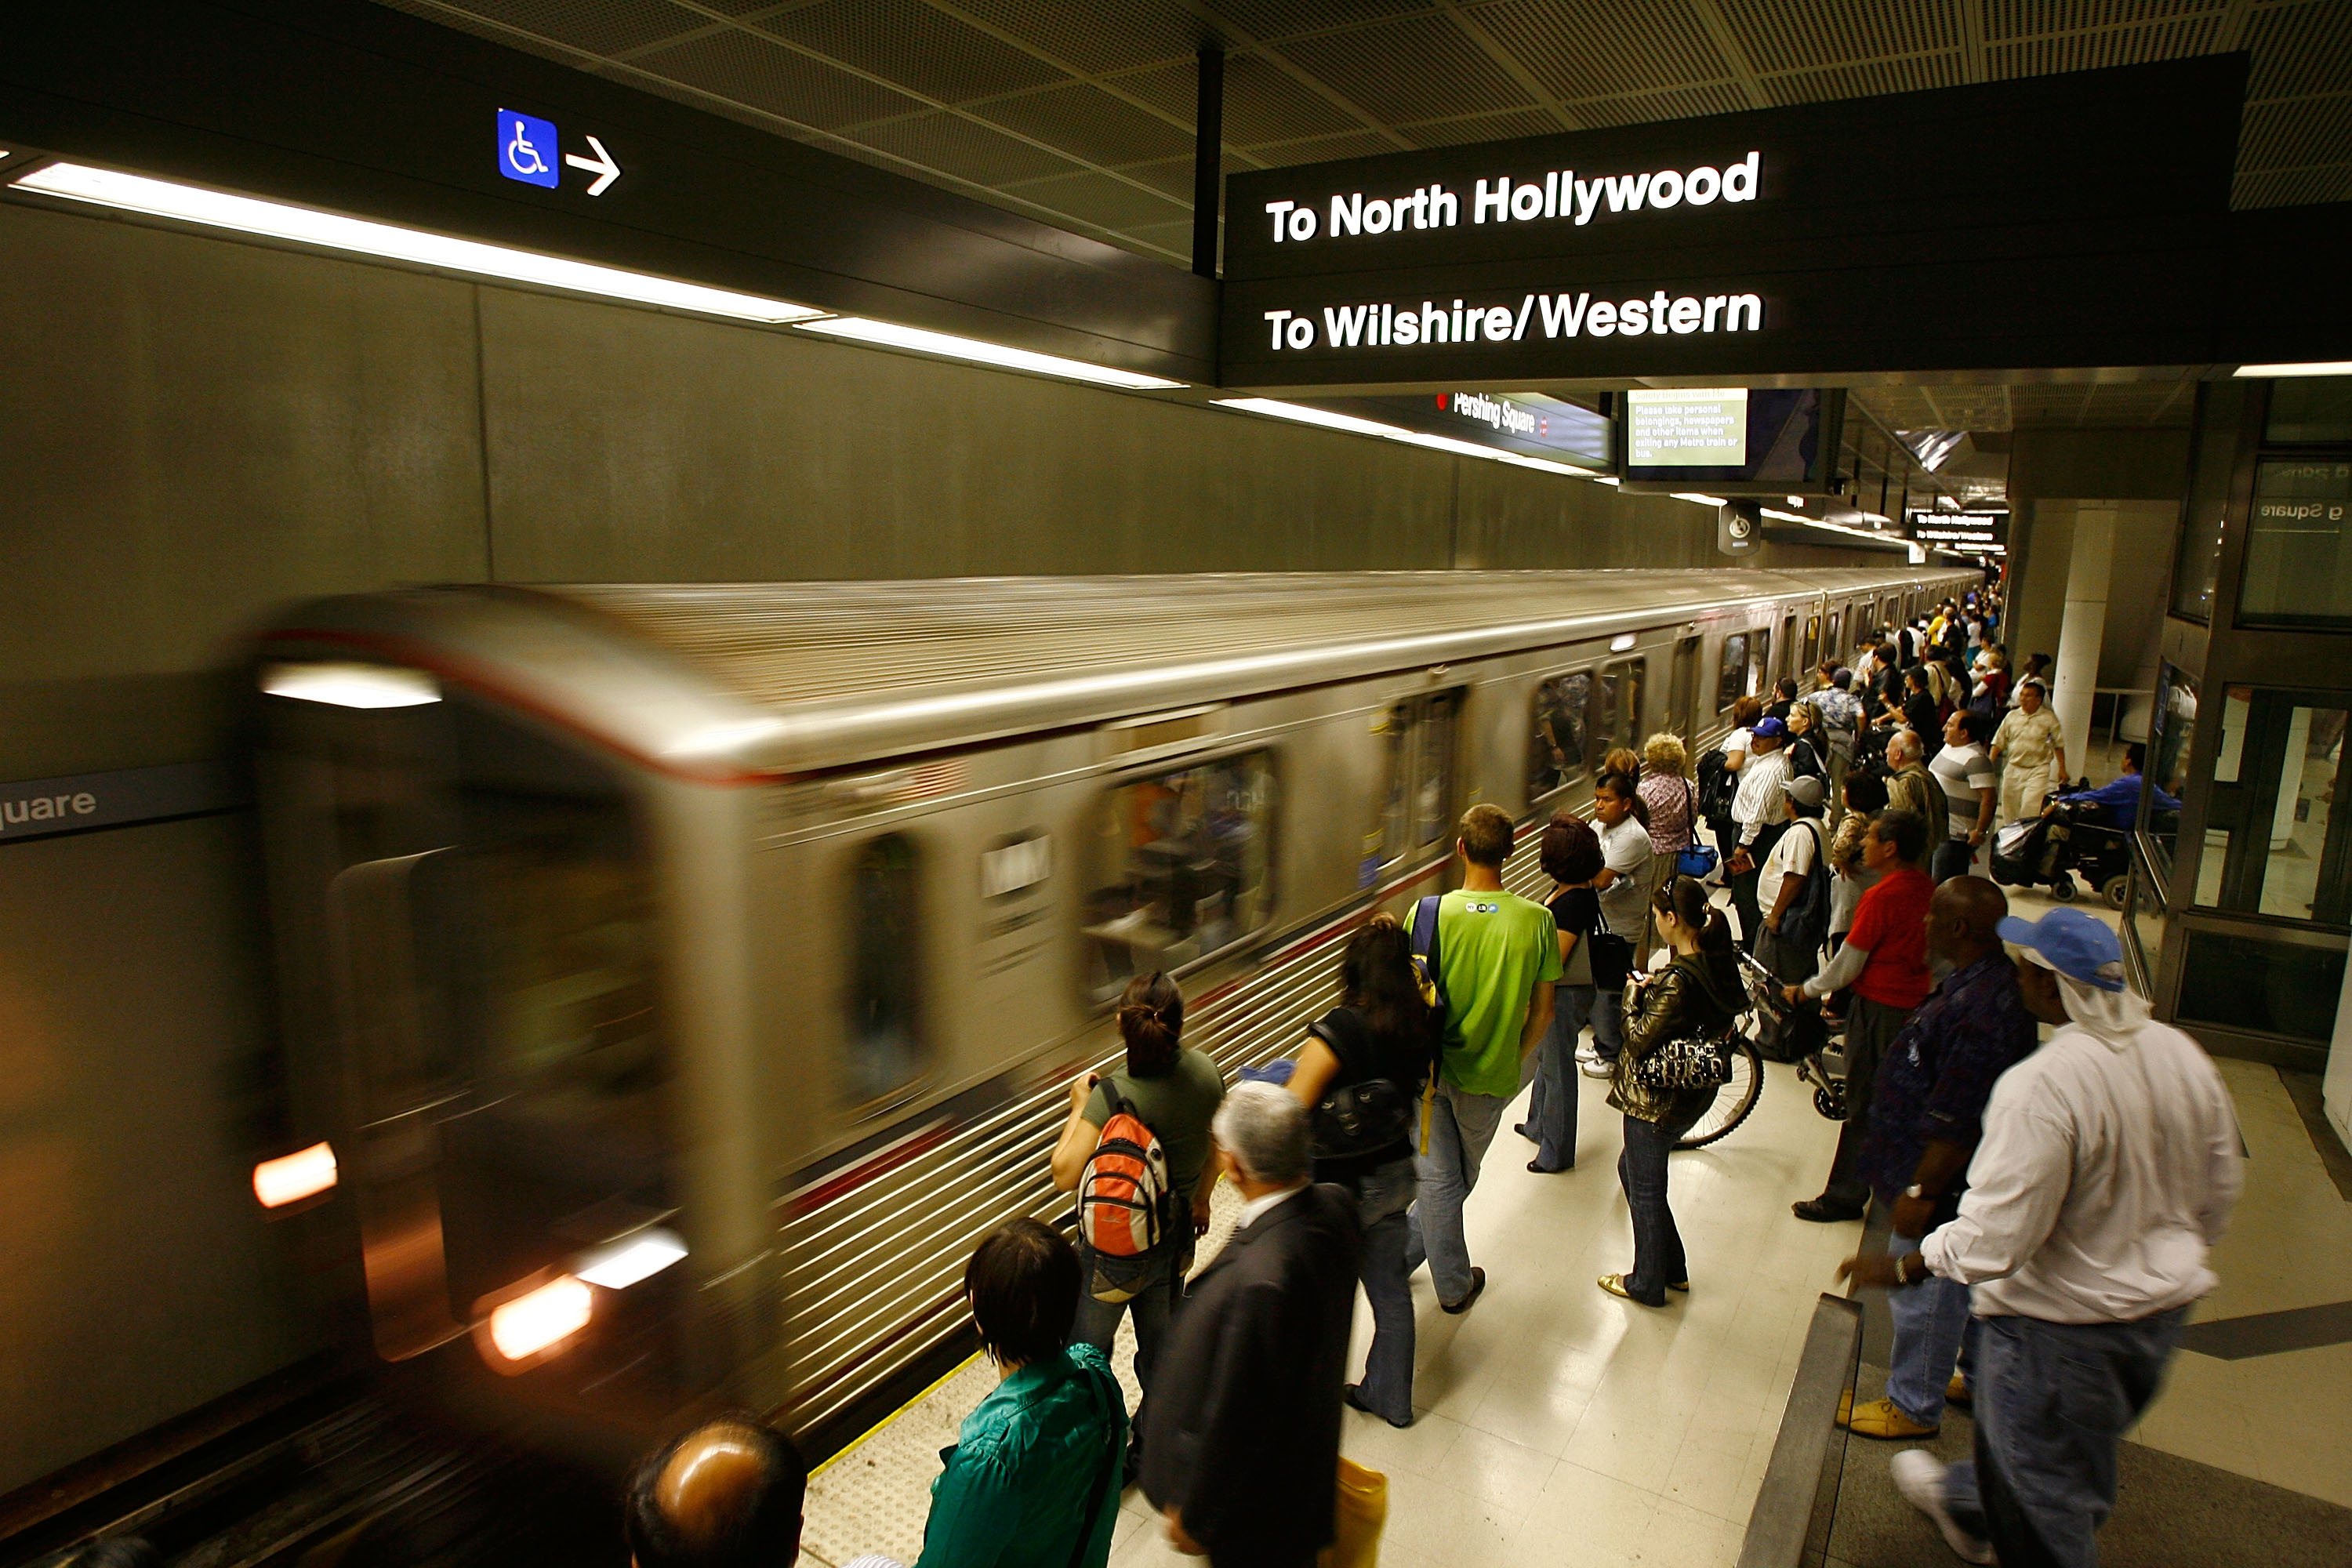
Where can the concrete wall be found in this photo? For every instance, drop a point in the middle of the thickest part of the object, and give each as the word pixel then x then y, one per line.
pixel 192 430
pixel 2137 581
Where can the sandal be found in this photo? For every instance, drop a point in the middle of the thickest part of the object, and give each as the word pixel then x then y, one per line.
pixel 1615 1285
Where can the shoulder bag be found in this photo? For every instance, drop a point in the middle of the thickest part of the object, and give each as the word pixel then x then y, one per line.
pixel 1694 1061
pixel 1694 858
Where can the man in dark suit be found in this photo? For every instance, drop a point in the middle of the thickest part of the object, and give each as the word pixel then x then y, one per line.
pixel 1242 1452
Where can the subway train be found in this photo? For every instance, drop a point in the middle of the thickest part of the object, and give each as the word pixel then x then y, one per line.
pixel 677 980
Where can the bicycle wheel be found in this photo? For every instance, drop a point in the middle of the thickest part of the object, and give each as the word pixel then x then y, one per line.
pixel 1734 1100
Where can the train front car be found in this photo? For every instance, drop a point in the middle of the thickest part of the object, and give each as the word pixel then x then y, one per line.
pixel 510 977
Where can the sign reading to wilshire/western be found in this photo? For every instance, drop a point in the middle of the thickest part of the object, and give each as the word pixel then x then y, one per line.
pixel 1818 238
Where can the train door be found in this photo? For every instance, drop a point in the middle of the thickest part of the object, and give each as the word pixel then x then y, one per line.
pixel 1417 805
pixel 1681 713
pixel 1788 650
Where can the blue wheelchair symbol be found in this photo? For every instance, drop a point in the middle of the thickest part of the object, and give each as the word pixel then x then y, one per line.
pixel 527 149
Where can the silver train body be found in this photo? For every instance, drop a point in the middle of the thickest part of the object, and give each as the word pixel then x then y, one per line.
pixel 765 924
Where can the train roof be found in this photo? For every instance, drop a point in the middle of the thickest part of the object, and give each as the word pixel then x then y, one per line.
pixel 748 680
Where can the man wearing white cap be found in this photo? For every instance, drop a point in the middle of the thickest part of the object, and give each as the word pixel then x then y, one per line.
pixel 2108 1166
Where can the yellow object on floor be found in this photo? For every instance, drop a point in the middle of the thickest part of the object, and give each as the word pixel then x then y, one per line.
pixel 1364 1511
pixel 1880 1418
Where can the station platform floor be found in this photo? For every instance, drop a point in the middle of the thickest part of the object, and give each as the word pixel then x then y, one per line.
pixel 1558 1424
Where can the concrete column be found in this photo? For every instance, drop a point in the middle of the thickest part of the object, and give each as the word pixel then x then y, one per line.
pixel 2085 626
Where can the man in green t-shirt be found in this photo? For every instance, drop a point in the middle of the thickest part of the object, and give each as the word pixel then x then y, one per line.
pixel 1498 957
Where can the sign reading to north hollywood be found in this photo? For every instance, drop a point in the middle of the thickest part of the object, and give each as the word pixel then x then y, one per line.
pixel 1967 532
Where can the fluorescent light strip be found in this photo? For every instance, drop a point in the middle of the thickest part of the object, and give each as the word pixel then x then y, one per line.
pixel 2316 367
pixel 351 685
pixel 1702 500
pixel 1300 414
pixel 890 335
pixel 332 231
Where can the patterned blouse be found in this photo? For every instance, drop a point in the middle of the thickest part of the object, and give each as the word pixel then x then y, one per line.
pixel 1670 800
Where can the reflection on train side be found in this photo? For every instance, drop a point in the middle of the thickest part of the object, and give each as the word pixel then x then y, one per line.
pixel 1184 857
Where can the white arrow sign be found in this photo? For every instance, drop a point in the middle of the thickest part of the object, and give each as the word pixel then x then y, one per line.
pixel 601 165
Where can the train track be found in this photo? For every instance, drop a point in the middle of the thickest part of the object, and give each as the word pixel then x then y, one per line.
pixel 362 1486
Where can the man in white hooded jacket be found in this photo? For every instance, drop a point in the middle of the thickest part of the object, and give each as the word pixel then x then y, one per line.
pixel 2108 1167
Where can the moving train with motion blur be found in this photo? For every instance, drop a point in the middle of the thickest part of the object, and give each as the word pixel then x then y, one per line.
pixel 679 980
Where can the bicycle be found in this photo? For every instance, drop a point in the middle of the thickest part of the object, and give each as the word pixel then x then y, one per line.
pixel 1735 1101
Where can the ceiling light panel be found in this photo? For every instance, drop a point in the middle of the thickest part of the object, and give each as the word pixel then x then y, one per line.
pixel 888 334
pixel 361 236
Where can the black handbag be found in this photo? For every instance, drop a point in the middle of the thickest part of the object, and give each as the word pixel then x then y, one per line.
pixel 1363 1117
pixel 1695 1062
pixel 1612 956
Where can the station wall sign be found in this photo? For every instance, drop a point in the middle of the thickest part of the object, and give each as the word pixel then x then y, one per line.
pixel 81 803
pixel 2082 217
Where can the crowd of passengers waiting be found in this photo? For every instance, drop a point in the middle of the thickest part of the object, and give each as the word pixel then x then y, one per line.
pixel 2050 1203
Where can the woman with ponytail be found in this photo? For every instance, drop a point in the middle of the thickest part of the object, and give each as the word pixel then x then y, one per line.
pixel 1175 1092
pixel 1696 995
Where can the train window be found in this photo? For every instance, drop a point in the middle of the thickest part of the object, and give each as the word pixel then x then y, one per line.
pixel 1617 705
pixel 1558 745
pixel 1812 647
pixel 1185 863
pixel 1432 772
pixel 1787 650
pixel 1732 683
pixel 1684 697
pixel 1759 663
pixel 885 1023
pixel 1833 646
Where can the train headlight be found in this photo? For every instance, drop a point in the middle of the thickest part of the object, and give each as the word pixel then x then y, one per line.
pixel 527 1328
pixel 290 1178
pixel 626 1262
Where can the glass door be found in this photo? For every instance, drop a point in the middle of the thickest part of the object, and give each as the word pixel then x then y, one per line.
pixel 2275 843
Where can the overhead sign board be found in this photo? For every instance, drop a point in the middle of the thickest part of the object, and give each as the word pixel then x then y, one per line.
pixel 1966 532
pixel 1707 428
pixel 2090 210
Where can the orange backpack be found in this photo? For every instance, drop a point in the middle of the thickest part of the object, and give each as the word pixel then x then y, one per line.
pixel 1123 1193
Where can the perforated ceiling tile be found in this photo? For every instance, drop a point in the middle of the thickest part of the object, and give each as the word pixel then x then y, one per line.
pixel 2300 49
pixel 2296 135
pixel 1101 199
pixel 1172 177
pixel 1675 103
pixel 1269 20
pixel 1263 101
pixel 1578 49
pixel 597 26
pixel 1482 128
pixel 770 78
pixel 910 43
pixel 1324 149
pixel 1793 35
pixel 2113 46
pixel 2018 18
pixel 1419 69
pixel 2292 187
pixel 954 145
pixel 1089 124
pixel 1909 74
pixel 1092 36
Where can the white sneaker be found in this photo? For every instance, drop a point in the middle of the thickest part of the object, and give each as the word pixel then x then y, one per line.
pixel 1586 1051
pixel 1596 1067
pixel 1919 1477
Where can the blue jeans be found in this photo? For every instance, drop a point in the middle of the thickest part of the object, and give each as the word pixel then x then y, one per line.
pixel 1951 859
pixel 1551 1104
pixel 1461 1125
pixel 1608 1023
pixel 1154 1306
pixel 2053 1400
pixel 1931 1325
pixel 1658 1260
pixel 1382 1198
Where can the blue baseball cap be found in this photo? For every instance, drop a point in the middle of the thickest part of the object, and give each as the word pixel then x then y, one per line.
pixel 2072 943
pixel 1768 725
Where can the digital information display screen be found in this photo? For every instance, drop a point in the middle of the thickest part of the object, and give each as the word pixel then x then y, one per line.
pixel 1703 427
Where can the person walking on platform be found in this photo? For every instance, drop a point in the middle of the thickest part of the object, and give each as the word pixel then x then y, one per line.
pixel 1033 1480
pixel 1242 1458
pixel 1623 886
pixel 1497 960
pixel 1696 996
pixel 1671 801
pixel 1885 963
pixel 1174 1091
pixel 1926 1121
pixel 2031 747
pixel 2107 1173
pixel 1359 1077
pixel 1966 779
pixel 1911 787
pixel 1762 813
pixel 1570 852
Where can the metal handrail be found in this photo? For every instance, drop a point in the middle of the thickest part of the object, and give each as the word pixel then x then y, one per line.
pixel 1782 1522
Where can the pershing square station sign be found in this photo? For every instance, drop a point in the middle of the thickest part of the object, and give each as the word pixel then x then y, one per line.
pixel 2068 216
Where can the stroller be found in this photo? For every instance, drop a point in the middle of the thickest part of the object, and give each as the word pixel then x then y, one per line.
pixel 2074 845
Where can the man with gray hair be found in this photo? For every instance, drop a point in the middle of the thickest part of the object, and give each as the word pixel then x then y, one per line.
pixel 1911 787
pixel 1242 1457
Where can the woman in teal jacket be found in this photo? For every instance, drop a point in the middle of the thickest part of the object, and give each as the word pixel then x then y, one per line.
pixel 1034 1481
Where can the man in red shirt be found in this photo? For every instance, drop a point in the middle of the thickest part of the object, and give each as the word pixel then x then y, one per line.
pixel 1884 961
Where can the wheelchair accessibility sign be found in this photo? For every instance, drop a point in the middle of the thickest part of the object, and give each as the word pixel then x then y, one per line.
pixel 529 150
